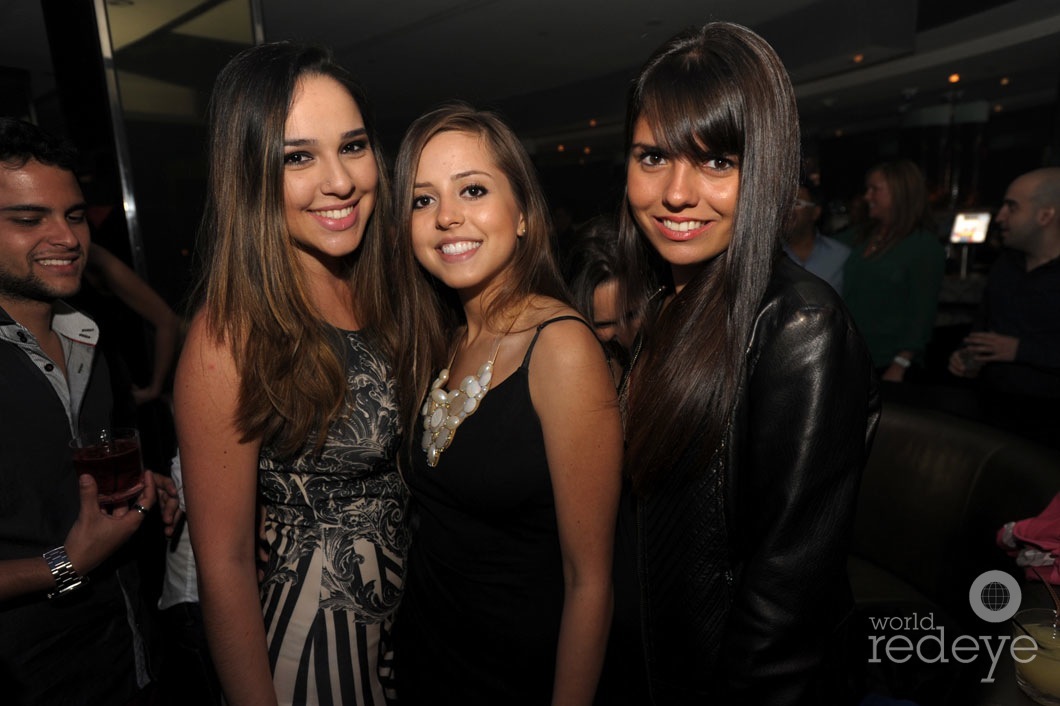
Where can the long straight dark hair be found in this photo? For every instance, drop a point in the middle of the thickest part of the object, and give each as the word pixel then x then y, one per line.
pixel 252 288
pixel 720 89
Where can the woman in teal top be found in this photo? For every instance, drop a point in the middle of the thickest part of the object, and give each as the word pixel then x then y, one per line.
pixel 893 275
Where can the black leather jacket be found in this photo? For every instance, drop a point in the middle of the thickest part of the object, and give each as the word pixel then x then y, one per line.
pixel 742 556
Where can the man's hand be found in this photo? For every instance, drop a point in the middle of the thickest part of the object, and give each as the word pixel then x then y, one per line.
pixel 964 364
pixel 97 534
pixel 990 347
pixel 168 501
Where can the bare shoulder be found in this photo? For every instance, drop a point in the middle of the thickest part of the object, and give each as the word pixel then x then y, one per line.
pixel 571 387
pixel 565 344
pixel 206 358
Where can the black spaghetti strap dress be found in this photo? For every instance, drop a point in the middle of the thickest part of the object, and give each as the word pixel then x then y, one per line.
pixel 479 621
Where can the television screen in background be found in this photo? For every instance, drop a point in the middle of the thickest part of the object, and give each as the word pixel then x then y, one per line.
pixel 970 227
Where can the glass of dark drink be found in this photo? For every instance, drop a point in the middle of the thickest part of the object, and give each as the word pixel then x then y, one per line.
pixel 112 457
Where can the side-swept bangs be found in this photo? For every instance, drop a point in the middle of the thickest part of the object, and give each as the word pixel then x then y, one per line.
pixel 692 112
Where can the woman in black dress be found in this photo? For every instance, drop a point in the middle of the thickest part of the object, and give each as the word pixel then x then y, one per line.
pixel 516 450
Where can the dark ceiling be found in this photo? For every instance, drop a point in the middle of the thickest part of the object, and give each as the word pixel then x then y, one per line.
pixel 559 69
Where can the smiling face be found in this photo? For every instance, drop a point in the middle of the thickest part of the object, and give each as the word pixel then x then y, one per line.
pixel 43 234
pixel 685 210
pixel 466 222
pixel 330 175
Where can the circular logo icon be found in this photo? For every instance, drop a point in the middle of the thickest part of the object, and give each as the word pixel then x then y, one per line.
pixel 995 596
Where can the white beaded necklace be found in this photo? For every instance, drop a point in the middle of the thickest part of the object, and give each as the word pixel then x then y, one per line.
pixel 444 411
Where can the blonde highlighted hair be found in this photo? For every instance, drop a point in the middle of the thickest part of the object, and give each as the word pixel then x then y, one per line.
pixel 252 289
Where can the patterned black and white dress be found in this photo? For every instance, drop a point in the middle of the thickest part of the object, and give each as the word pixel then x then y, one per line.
pixel 336 527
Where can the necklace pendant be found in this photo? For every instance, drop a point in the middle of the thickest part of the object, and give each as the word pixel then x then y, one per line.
pixel 443 412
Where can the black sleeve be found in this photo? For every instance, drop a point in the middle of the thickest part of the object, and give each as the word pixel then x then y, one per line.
pixel 811 413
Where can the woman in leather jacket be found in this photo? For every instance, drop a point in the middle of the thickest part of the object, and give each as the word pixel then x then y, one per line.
pixel 750 404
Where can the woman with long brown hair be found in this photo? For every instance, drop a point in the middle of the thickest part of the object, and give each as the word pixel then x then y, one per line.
pixel 284 393
pixel 892 278
pixel 750 402
pixel 515 461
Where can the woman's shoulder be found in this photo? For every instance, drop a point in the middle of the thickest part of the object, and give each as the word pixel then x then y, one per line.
pixel 203 334
pixel 207 345
pixel 207 372
pixel 795 288
pixel 799 307
pixel 561 334
pixel 797 304
pixel 546 313
pixel 922 240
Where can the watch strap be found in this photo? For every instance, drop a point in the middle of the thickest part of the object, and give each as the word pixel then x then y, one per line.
pixel 66 579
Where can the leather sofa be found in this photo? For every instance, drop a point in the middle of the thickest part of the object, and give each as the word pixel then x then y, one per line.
pixel 934 493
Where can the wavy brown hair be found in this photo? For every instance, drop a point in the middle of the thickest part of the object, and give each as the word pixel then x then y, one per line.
pixel 437 314
pixel 253 290
pixel 718 90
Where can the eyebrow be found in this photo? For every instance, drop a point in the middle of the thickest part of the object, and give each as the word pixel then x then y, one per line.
pixel 455 177
pixel 37 208
pixel 33 208
pixel 301 141
pixel 471 172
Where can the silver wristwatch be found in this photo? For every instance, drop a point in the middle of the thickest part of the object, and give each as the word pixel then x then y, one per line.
pixel 66 579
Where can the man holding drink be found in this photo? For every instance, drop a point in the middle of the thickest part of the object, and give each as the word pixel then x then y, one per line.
pixel 1015 345
pixel 66 591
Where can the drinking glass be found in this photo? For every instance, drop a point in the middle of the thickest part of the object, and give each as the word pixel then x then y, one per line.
pixel 1039 677
pixel 112 457
pixel 972 364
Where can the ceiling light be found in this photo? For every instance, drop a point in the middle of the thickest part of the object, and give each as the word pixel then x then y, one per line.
pixel 858 58
pixel 954 78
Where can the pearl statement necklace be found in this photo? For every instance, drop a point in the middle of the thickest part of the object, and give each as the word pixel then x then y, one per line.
pixel 444 411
